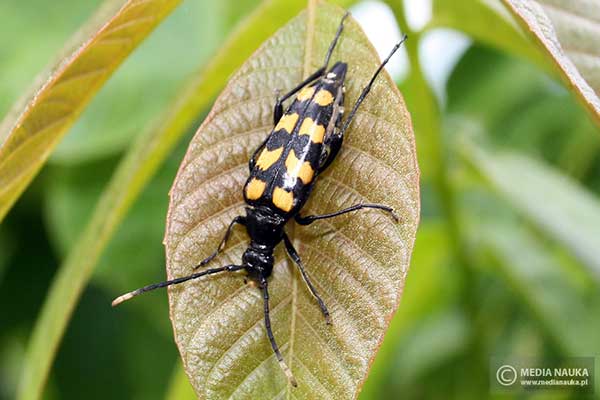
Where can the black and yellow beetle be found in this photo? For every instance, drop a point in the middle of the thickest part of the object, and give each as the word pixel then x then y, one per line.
pixel 283 171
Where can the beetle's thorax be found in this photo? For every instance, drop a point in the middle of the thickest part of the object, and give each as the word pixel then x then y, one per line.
pixel 264 226
pixel 265 229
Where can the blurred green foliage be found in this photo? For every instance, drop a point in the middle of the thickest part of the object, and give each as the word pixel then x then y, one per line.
pixel 492 274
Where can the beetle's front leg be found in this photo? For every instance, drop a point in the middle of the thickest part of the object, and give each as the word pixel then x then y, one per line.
pixel 237 220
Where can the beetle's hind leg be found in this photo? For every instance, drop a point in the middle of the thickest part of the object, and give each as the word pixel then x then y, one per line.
pixel 237 220
pixel 289 247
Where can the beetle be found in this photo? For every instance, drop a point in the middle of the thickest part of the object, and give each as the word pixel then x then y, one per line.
pixel 305 140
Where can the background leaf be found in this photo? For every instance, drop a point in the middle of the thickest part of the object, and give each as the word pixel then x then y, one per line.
pixel 549 291
pixel 145 83
pixel 28 136
pixel 359 262
pixel 569 30
pixel 180 388
pixel 488 22
pixel 527 185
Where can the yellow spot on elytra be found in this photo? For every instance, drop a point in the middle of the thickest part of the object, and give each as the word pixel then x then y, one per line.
pixel 312 129
pixel 306 93
pixel 268 158
pixel 287 122
pixel 282 199
pixel 302 170
pixel 323 97
pixel 255 189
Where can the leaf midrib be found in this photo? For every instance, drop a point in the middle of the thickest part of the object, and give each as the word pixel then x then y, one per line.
pixel 308 49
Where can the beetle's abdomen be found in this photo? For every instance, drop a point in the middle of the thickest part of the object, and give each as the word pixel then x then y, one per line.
pixel 286 168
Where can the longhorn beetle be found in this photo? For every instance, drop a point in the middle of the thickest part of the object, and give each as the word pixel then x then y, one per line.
pixel 283 171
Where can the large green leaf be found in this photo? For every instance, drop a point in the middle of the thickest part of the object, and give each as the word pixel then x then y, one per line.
pixel 569 32
pixel 144 84
pixel 358 262
pixel 562 309
pixel 529 113
pixel 32 33
pixel 559 206
pixel 33 129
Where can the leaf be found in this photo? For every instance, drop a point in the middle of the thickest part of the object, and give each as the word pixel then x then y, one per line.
pixel 358 262
pixel 430 287
pixel 528 112
pixel 145 84
pixel 488 22
pixel 422 103
pixel 542 284
pixel 557 205
pixel 569 31
pixel 40 37
pixel 134 254
pixel 133 173
pixel 434 340
pixel 27 138
pixel 179 386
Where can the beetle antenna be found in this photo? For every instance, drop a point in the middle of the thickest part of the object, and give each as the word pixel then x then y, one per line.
pixel 367 88
pixel 137 292
pixel 333 43
pixel 286 370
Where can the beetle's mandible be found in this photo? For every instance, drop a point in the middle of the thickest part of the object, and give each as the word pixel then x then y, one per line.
pixel 283 171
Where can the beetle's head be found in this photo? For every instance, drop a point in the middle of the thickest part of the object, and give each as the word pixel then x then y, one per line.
pixel 258 262
pixel 337 73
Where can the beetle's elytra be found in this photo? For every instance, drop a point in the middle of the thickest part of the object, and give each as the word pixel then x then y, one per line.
pixel 283 170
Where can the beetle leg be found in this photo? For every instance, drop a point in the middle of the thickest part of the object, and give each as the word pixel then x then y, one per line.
pixel 286 370
pixel 309 219
pixel 367 88
pixel 237 220
pixel 289 247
